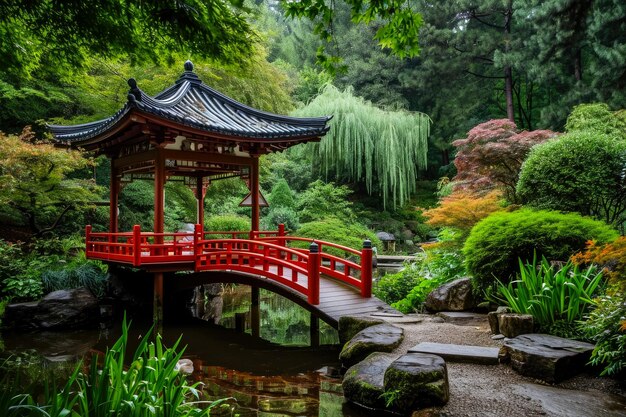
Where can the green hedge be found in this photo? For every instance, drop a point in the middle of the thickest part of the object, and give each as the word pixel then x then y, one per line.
pixel 336 231
pixel 497 242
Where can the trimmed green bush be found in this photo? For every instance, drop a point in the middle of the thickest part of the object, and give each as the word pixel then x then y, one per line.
pixel 497 242
pixel 337 231
pixel 227 223
pixel 597 117
pixel 581 172
pixel 278 215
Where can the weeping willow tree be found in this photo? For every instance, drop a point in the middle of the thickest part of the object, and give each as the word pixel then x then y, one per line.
pixel 383 149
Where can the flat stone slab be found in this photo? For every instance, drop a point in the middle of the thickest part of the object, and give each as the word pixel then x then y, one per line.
pixel 459 353
pixel 546 357
pixel 460 316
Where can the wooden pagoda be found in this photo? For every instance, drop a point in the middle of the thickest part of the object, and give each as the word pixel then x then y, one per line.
pixel 190 131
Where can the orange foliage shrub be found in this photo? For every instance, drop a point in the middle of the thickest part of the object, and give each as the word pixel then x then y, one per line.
pixel 611 257
pixel 463 209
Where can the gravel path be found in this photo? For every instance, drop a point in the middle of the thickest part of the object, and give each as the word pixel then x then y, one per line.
pixel 497 390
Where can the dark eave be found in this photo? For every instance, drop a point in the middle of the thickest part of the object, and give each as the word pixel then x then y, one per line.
pixel 191 103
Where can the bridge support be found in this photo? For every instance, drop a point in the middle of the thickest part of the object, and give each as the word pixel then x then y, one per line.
pixel 314 329
pixel 255 312
pixel 157 307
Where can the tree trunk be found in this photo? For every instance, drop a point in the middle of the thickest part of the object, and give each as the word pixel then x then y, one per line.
pixel 578 65
pixel 508 73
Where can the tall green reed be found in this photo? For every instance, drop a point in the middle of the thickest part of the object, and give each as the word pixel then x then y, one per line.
pixel 551 295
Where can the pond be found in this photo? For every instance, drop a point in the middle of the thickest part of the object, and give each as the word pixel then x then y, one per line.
pixel 276 374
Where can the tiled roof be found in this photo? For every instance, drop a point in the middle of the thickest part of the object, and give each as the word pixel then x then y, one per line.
pixel 194 104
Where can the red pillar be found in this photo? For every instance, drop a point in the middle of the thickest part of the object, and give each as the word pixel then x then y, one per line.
pixel 314 274
pixel 254 189
pixel 113 198
pixel 159 195
pixel 366 269
pixel 200 200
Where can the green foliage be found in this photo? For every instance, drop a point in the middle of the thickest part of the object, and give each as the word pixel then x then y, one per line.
pixel 337 231
pixel 227 223
pixel 606 326
pixel 64 34
pixel 396 22
pixel 497 242
pixel 597 118
pixel 223 198
pixel 394 287
pixel 281 195
pixel 40 184
pixel 382 149
pixel 150 385
pixel 582 171
pixel 438 268
pixel 284 215
pixel 324 200
pixel 88 274
pixel 551 295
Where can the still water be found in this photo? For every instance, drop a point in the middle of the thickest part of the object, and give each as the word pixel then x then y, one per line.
pixel 275 375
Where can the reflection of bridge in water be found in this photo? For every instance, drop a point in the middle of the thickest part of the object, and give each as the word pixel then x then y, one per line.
pixel 309 394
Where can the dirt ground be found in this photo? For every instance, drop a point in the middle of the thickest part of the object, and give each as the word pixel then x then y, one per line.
pixel 497 390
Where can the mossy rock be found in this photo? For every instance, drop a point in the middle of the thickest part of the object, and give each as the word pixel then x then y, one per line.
pixel 349 326
pixel 415 381
pixel 379 338
pixel 363 383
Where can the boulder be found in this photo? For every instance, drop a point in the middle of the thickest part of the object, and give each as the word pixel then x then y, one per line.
pixel 546 357
pixel 512 325
pixel 351 325
pixel 453 296
pixel 418 380
pixel 378 338
pixel 63 309
pixel 363 383
pixel 492 316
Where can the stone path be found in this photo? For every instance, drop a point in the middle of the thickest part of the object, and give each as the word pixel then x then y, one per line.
pixel 459 353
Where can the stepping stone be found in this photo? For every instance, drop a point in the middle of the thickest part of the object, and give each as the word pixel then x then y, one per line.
pixel 459 353
pixel 363 383
pixel 349 326
pixel 546 357
pixel 460 317
pixel 379 338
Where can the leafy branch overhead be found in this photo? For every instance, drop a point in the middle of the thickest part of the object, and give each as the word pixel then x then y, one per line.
pixel 397 24
pixel 66 32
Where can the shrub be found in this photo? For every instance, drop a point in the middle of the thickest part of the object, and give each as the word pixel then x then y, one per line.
pixel 606 326
pixel 227 223
pixel 496 243
pixel 580 172
pixel 323 200
pixel 551 295
pixel 415 298
pixel 463 209
pixel 278 215
pixel 281 195
pixel 598 118
pixel 88 274
pixel 394 287
pixel 337 231
pixel 611 257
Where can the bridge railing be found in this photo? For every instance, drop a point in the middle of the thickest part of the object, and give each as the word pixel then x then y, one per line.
pixel 277 254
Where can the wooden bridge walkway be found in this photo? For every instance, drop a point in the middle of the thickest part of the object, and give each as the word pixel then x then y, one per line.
pixel 331 279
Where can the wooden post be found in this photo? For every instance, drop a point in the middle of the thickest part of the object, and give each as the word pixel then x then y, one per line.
pixel 197 249
pixel 159 194
pixel 314 274
pixel 366 269
pixel 114 191
pixel 200 200
pixel 88 246
pixel 136 245
pixel 157 308
pixel 281 234
pixel 254 189
pixel 314 329
pixel 255 312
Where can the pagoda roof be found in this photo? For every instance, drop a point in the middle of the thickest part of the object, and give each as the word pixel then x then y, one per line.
pixel 190 102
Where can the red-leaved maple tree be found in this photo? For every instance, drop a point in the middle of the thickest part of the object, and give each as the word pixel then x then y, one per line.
pixel 491 156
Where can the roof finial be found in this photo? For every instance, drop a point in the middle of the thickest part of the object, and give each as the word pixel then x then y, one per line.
pixel 134 90
pixel 188 66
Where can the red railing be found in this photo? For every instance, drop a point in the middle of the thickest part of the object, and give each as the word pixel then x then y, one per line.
pixel 269 253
